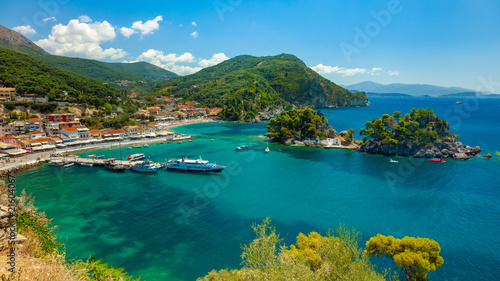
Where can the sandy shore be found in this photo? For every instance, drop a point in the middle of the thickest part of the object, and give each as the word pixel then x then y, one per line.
pixel 32 158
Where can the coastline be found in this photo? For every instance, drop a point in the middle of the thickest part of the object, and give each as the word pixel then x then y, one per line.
pixel 34 159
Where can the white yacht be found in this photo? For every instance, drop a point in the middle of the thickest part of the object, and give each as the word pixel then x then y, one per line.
pixel 198 165
pixel 134 157
pixel 57 163
pixel 145 167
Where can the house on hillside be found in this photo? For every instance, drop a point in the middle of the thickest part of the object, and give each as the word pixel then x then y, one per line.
pixel 36 135
pixel 338 140
pixel 71 133
pixel 33 124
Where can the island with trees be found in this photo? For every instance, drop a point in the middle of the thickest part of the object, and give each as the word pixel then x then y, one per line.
pixel 295 125
pixel 420 133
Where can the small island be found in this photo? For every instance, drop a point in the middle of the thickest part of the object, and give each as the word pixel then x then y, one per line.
pixel 420 133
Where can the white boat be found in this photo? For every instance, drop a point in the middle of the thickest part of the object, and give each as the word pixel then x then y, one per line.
pixel 393 161
pixel 129 147
pixel 69 165
pixel 198 165
pixel 136 146
pixel 85 164
pixel 92 156
pixel 145 167
pixel 267 149
pixel 179 137
pixel 57 163
pixel 137 156
pixel 146 145
pixel 238 148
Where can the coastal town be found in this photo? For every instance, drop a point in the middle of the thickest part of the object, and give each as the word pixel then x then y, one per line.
pixel 36 136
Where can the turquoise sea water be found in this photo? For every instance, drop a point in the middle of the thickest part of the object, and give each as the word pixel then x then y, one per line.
pixel 179 226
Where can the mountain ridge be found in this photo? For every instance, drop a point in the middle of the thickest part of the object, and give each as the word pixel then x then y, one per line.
pixel 408 89
pixel 281 77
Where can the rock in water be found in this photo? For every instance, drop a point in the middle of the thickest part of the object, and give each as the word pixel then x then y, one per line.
pixel 488 156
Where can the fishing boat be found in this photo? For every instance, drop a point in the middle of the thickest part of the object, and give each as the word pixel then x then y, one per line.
pixel 85 164
pixel 56 163
pixel 92 156
pixel 100 157
pixel 135 157
pixel 145 167
pixel 69 165
pixel 197 165
pixel 437 159
pixel 393 161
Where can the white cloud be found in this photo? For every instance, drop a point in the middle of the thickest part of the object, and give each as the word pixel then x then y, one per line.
pixel 194 34
pixel 179 64
pixel 194 24
pixel 148 27
pixel 216 59
pixel 180 25
pixel 82 39
pixel 127 32
pixel 49 19
pixel 24 29
pixel 84 18
pixel 326 69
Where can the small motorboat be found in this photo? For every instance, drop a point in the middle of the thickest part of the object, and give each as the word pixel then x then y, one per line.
pixel 238 148
pixel 146 145
pixel 85 164
pixel 136 146
pixel 437 159
pixel 393 161
pixel 267 149
pixel 100 157
pixel 129 147
pixel 69 165
pixel 92 156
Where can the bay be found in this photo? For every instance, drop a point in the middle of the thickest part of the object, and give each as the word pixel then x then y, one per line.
pixel 179 226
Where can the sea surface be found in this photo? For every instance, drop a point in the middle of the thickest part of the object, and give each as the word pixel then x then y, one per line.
pixel 179 226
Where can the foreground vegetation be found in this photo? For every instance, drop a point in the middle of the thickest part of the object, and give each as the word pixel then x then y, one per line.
pixel 314 257
pixel 41 256
pixel 302 123
pixel 335 256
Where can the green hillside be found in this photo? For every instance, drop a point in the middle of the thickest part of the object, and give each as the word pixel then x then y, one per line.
pixel 29 75
pixel 263 81
pixel 145 70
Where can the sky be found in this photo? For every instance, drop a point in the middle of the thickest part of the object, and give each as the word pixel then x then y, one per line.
pixel 444 43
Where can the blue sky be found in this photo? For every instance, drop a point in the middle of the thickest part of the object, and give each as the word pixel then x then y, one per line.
pixel 445 43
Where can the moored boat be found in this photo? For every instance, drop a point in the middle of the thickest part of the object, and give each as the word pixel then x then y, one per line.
pixel 393 161
pixel 145 167
pixel 135 157
pixel 437 159
pixel 100 157
pixel 85 164
pixel 57 163
pixel 197 165
pixel 112 165
pixel 69 165
pixel 92 156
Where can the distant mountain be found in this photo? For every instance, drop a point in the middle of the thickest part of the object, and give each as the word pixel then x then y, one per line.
pixel 144 75
pixel 387 95
pixel 263 81
pixel 470 94
pixel 29 75
pixel 409 89
pixel 145 70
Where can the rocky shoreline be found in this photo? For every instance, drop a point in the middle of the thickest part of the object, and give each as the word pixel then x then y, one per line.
pixel 454 150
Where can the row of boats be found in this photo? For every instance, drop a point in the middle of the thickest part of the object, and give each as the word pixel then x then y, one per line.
pixel 184 164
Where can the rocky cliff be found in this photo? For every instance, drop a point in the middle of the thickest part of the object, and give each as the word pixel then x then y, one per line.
pixel 455 150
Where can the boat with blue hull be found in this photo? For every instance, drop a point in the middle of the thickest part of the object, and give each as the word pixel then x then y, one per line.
pixel 198 165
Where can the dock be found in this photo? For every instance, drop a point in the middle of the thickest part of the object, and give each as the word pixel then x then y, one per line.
pixel 93 161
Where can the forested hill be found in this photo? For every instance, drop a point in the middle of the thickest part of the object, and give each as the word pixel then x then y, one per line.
pixel 263 81
pixel 29 75
pixel 144 75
